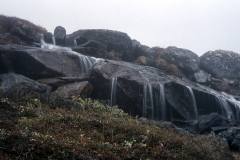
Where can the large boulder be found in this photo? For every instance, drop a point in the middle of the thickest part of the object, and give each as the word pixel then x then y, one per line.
pixel 82 89
pixel 142 50
pixel 185 60
pixel 232 138
pixel 37 63
pixel 142 91
pixel 117 42
pixel 25 31
pixel 13 86
pixel 60 34
pixel 221 64
pixel 48 37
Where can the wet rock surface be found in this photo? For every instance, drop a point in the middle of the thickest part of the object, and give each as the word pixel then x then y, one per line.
pixel 38 63
pixel 59 34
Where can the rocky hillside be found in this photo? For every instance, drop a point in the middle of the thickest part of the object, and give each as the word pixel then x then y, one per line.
pixel 198 94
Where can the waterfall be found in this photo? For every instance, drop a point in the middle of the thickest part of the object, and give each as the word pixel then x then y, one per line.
pixel 193 101
pixel 226 109
pixel 86 62
pixel 113 82
pixel 162 101
pixel 147 95
pixel 54 40
pixel 75 43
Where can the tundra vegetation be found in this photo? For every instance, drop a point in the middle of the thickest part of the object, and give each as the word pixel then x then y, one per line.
pixel 76 128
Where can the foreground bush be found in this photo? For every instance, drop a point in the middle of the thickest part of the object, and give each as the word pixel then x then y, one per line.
pixel 30 129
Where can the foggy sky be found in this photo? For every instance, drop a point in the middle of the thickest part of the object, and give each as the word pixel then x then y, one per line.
pixel 197 25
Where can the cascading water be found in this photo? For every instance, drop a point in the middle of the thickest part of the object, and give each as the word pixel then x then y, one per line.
pixel 75 42
pixel 147 95
pixel 192 97
pixel 113 82
pixel 54 40
pixel 162 101
pixel 226 109
pixel 86 62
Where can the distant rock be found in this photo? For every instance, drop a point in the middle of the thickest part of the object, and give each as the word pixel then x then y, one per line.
pixel 59 34
pixel 221 64
pixel 118 43
pixel 185 60
pixel 142 50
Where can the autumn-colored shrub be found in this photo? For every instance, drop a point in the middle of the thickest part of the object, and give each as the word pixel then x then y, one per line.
pixel 142 60
pixel 169 68
pixel 111 55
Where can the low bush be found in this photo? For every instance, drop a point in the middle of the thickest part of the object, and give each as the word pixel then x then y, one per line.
pixel 88 129
pixel 169 68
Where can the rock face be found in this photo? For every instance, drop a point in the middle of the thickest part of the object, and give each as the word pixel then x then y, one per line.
pixel 232 138
pixel 25 31
pixel 139 90
pixel 117 42
pixel 221 64
pixel 59 34
pixel 202 77
pixel 48 37
pixel 13 85
pixel 37 63
pixel 82 89
pixel 141 50
pixel 185 60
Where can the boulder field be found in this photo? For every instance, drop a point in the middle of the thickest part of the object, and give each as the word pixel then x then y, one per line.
pixel 101 64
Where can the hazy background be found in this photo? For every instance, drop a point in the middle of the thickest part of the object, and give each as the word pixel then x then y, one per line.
pixel 197 25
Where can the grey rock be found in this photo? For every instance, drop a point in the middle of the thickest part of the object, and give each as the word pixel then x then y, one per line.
pixel 13 85
pixel 202 77
pixel 185 60
pixel 82 89
pixel 59 34
pixel 38 63
pixel 25 31
pixel 117 42
pixel 205 122
pixel 142 50
pixel 48 37
pixel 221 64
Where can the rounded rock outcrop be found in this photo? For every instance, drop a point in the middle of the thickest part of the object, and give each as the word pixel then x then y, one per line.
pixel 221 64
pixel 185 60
pixel 60 34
